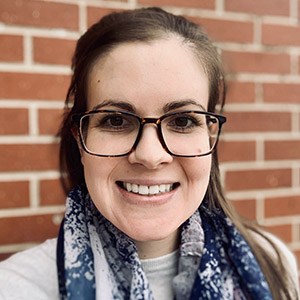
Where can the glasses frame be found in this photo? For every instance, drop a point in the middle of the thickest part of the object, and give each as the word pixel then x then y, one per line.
pixel 76 119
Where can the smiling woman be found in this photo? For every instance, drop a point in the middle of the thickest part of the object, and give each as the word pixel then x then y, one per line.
pixel 146 217
pixel 148 66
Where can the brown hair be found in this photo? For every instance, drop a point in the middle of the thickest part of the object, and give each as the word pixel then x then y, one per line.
pixel 146 25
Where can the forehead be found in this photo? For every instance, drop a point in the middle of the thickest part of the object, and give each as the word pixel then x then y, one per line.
pixel 143 73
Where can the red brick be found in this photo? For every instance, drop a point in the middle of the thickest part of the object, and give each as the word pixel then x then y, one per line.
pixel 33 86
pixel 282 150
pixel 258 121
pixel 280 35
pixel 50 121
pixel 49 51
pixel 256 62
pixel 13 121
pixel 39 13
pixel 51 192
pixel 232 31
pixel 29 157
pixel 246 208
pixel 281 92
pixel 27 229
pixel 260 7
pixel 94 14
pixel 204 4
pixel 282 206
pixel 240 92
pixel 258 179
pixel 14 194
pixel 11 48
pixel 297 254
pixel 284 232
pixel 229 151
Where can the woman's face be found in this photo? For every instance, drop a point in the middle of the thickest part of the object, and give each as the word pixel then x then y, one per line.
pixel 148 79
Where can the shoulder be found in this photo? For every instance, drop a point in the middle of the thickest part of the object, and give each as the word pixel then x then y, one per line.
pixel 288 258
pixel 30 274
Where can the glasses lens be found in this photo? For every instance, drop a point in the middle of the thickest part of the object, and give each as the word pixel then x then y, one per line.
pixel 109 133
pixel 190 133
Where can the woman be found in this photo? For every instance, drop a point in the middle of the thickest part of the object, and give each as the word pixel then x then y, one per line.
pixel 146 217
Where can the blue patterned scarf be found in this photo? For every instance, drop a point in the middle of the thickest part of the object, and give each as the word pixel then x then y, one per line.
pixel 97 261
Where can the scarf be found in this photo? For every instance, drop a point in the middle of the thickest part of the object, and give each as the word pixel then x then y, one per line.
pixel 95 260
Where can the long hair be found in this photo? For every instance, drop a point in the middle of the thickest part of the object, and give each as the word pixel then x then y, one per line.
pixel 146 25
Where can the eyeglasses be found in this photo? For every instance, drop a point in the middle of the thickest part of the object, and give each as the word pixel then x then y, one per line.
pixel 113 133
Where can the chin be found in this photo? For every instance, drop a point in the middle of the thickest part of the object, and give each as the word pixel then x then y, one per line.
pixel 151 231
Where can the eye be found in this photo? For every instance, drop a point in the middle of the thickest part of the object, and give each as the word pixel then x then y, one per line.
pixel 183 123
pixel 115 120
pixel 111 122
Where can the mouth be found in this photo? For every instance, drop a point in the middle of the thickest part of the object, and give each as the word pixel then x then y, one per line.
pixel 150 190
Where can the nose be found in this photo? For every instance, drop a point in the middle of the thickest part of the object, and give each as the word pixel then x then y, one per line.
pixel 149 151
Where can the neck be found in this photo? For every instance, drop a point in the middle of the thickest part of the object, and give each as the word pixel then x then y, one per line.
pixel 152 249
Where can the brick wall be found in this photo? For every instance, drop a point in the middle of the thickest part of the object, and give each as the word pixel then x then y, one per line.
pixel 260 148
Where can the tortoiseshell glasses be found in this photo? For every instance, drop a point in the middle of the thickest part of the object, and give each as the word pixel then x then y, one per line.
pixel 113 133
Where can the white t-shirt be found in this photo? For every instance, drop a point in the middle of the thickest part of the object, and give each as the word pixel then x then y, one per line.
pixel 32 274
pixel 160 272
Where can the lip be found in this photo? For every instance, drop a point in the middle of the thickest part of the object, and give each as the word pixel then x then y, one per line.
pixel 147 182
pixel 147 200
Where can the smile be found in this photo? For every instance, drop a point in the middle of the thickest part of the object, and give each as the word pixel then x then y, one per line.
pixel 148 189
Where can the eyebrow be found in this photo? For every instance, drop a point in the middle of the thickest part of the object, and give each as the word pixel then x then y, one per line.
pixel 131 108
pixel 181 103
pixel 117 104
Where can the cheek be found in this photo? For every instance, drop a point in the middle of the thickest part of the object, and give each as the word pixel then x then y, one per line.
pixel 198 170
pixel 99 172
pixel 197 173
pixel 88 166
pixel 95 168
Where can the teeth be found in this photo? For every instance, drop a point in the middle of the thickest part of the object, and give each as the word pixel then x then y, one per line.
pixel 134 188
pixel 128 187
pixel 147 190
pixel 143 190
pixel 154 189
pixel 162 188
